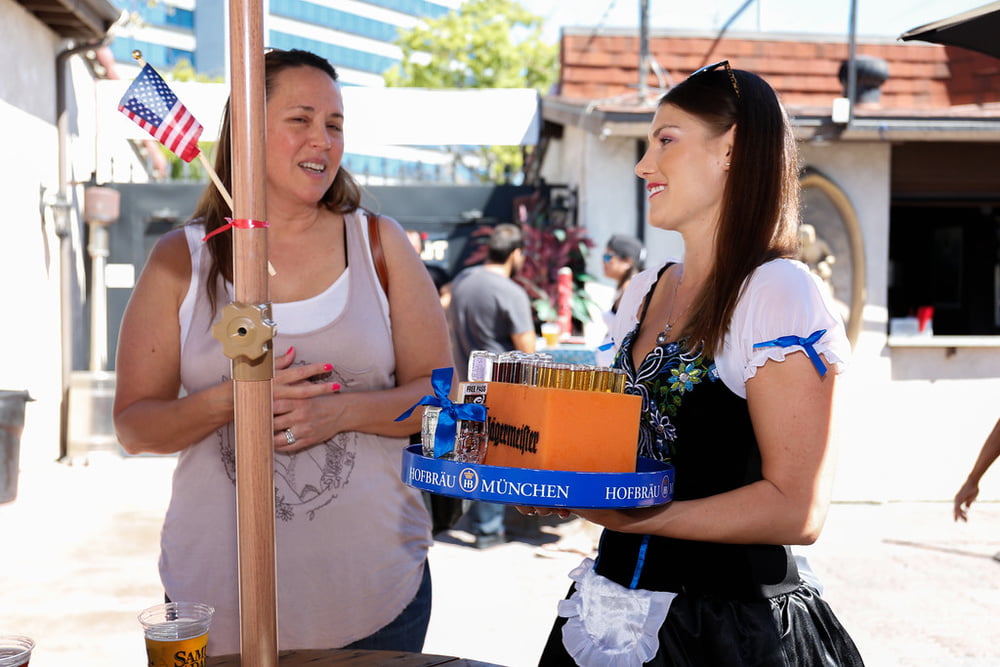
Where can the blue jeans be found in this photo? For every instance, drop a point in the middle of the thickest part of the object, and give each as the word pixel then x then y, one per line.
pixel 487 518
pixel 408 631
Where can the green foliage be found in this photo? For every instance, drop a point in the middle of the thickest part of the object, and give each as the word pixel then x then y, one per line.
pixel 552 241
pixel 185 71
pixel 178 170
pixel 484 44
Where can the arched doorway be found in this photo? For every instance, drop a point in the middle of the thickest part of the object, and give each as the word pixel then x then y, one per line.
pixel 837 253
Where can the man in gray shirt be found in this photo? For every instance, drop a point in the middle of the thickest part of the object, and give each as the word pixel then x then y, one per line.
pixel 489 311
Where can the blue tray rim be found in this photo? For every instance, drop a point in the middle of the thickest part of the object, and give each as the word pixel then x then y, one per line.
pixel 652 483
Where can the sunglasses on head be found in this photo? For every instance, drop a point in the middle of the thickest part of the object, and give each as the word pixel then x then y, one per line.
pixel 715 66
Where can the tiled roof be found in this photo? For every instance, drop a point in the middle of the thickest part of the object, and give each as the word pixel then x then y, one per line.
pixel 804 70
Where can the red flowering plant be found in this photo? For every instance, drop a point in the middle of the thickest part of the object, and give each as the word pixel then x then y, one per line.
pixel 552 241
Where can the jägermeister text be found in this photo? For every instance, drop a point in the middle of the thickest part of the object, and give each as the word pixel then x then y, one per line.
pixel 522 438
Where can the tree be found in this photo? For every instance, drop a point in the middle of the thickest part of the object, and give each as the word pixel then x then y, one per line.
pixel 484 44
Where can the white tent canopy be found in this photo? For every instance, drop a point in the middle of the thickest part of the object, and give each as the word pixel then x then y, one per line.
pixel 375 117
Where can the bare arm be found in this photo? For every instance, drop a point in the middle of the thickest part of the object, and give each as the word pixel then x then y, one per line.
pixel 970 489
pixel 791 408
pixel 525 341
pixel 420 343
pixel 148 415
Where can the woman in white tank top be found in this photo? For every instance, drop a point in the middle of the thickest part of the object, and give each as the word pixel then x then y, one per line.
pixel 351 538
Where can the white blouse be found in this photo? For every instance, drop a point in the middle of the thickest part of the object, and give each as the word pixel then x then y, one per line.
pixel 780 298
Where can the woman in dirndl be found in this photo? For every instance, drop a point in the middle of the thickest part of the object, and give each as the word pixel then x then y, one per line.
pixel 735 352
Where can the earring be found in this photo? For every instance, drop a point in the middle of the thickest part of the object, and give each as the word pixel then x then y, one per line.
pixel 728 163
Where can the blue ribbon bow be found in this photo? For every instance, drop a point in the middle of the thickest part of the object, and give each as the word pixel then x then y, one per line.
pixel 451 413
pixel 807 344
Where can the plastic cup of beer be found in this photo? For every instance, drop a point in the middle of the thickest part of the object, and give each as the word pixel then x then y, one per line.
pixel 176 633
pixel 550 332
pixel 15 650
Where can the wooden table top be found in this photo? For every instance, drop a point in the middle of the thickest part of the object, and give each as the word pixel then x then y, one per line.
pixel 355 658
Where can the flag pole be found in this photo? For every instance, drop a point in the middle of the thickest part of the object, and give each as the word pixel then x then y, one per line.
pixel 247 329
pixel 215 179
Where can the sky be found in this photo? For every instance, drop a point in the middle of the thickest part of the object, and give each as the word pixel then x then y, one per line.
pixel 875 18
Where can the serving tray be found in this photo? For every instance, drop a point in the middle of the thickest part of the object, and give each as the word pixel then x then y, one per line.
pixel 651 484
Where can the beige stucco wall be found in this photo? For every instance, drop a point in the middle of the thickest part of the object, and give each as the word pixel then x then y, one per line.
pixel 914 418
pixel 29 254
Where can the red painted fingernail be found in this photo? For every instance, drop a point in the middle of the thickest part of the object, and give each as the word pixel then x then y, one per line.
pixel 335 386
pixel 290 350
pixel 327 367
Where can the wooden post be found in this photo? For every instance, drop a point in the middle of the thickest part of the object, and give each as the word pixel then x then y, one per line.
pixel 252 378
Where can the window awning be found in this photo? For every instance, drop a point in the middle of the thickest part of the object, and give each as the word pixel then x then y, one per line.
pixel 975 30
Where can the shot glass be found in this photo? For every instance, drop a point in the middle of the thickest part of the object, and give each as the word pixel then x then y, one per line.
pixel 15 650
pixel 176 633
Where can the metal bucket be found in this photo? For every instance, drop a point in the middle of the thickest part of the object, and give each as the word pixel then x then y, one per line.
pixel 11 424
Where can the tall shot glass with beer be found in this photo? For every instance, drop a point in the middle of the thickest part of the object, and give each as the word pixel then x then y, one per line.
pixel 176 633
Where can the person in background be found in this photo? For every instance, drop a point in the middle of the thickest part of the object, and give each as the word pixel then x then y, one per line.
pixel 489 311
pixel 969 491
pixel 623 258
pixel 351 538
pixel 438 274
pixel 735 353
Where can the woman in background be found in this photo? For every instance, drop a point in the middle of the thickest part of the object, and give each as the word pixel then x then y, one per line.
pixel 623 258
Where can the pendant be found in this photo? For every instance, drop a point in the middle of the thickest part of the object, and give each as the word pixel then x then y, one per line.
pixel 661 338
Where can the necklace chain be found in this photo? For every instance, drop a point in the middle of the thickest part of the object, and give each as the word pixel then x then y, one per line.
pixel 661 338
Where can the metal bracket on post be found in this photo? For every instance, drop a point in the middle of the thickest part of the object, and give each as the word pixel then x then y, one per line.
pixel 246 332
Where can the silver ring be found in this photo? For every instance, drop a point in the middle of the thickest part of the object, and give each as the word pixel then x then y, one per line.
pixel 289 436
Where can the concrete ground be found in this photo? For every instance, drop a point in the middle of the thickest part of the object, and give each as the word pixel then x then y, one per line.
pixel 80 544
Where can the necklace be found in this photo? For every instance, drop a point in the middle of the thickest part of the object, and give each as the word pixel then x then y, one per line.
pixel 661 338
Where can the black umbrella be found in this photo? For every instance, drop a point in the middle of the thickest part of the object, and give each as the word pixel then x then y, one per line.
pixel 975 30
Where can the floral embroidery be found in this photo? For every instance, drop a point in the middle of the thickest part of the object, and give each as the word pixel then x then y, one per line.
pixel 665 376
pixel 685 376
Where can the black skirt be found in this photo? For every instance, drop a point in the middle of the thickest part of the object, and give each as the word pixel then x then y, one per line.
pixel 796 629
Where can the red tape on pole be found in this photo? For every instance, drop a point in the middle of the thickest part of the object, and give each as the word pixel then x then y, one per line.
pixel 238 223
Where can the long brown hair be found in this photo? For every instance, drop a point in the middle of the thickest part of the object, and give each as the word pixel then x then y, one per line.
pixel 343 196
pixel 760 205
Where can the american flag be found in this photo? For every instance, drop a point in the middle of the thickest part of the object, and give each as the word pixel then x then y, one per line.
pixel 154 107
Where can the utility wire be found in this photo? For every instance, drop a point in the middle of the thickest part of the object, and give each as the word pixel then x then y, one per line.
pixel 600 24
pixel 723 29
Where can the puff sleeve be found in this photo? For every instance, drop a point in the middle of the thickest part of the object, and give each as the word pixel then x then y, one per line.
pixel 783 308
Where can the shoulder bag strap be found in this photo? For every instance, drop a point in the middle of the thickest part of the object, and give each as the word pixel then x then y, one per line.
pixel 378 256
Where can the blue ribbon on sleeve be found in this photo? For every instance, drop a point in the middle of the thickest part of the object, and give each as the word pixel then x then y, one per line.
pixel 451 413
pixel 806 344
pixel 606 346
